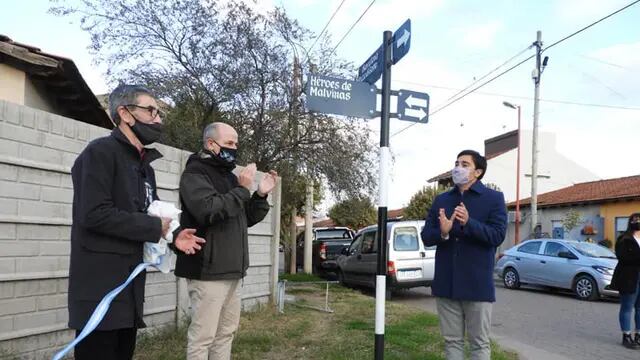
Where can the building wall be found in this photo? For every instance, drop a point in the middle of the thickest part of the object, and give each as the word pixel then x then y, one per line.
pixel 617 209
pixel 34 97
pixel 560 170
pixel 37 150
pixel 546 216
pixel 12 84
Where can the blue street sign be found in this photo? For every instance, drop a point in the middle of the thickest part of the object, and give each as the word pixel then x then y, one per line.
pixel 413 106
pixel 371 70
pixel 331 95
pixel 401 41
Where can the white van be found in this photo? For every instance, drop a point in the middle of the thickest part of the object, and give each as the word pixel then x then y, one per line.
pixel 409 263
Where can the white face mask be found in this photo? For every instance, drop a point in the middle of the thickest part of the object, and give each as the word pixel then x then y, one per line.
pixel 460 175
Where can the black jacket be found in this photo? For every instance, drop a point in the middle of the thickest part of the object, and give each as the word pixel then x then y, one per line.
pixel 112 187
pixel 221 211
pixel 625 276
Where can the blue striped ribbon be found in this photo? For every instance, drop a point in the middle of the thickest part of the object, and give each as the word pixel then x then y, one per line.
pixel 101 310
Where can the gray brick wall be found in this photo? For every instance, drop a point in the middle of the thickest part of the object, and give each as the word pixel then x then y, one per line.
pixel 37 150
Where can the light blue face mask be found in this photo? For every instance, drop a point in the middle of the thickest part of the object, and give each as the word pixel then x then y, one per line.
pixel 460 175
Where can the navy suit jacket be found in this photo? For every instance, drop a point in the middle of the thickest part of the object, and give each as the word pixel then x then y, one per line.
pixel 464 262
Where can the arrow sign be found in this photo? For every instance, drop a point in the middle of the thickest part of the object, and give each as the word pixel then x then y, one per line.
pixel 371 70
pixel 416 102
pixel 404 39
pixel 401 41
pixel 413 106
pixel 338 96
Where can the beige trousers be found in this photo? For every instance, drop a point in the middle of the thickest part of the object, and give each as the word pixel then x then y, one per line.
pixel 215 316
pixel 460 317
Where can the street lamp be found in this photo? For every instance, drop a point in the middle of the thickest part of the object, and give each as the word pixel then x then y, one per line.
pixel 517 227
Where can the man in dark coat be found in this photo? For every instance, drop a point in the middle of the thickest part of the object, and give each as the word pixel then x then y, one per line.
pixel 114 184
pixel 466 224
pixel 221 207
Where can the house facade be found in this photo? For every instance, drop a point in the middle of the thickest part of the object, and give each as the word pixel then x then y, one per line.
pixel 555 170
pixel 603 208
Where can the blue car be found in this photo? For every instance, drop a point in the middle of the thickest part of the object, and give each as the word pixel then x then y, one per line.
pixel 582 267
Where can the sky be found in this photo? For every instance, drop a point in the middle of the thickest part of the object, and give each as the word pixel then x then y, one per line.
pixel 453 43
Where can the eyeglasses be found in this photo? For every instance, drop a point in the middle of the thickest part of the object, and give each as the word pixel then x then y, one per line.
pixel 153 111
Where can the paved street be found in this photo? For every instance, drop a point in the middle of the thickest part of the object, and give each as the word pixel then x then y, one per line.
pixel 549 326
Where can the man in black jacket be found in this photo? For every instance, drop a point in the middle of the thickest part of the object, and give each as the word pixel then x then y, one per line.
pixel 114 184
pixel 220 206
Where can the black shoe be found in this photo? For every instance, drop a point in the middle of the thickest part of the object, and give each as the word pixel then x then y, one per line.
pixel 636 338
pixel 629 342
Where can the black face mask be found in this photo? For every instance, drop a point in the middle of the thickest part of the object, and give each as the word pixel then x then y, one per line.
pixel 147 133
pixel 227 154
pixel 634 226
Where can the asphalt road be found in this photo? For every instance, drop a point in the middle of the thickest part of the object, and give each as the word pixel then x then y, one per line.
pixel 543 325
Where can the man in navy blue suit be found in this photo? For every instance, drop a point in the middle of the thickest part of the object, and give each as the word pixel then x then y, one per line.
pixel 467 224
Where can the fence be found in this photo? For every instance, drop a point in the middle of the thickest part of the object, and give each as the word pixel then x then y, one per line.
pixel 37 150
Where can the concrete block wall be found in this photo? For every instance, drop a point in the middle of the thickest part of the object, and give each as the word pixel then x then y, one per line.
pixel 37 150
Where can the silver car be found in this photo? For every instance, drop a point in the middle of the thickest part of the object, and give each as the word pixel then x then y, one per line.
pixel 582 267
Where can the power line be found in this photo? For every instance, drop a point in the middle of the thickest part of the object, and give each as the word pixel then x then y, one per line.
pixel 555 101
pixel 590 25
pixel 354 24
pixel 324 29
pixel 471 91
pixel 520 63
pixel 490 72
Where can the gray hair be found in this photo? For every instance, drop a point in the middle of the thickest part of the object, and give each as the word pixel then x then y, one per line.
pixel 210 132
pixel 125 95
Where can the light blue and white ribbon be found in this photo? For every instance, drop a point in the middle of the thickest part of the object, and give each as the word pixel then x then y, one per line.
pixel 157 255
pixel 101 311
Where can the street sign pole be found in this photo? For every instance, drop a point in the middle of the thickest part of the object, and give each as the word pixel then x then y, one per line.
pixel 385 161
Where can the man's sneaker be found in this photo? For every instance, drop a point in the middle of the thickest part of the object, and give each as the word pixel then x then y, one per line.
pixel 629 342
pixel 637 338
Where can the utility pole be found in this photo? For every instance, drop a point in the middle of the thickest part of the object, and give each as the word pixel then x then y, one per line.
pixel 308 225
pixel 295 105
pixel 537 73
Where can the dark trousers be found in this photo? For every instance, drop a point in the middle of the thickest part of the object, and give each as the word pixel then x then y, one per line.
pixel 107 345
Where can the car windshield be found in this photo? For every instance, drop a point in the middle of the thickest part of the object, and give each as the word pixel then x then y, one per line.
pixel 333 234
pixel 593 250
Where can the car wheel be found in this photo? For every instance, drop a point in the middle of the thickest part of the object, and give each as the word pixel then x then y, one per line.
pixel 586 288
pixel 341 279
pixel 511 278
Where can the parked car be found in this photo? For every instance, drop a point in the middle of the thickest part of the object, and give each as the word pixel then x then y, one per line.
pixel 409 263
pixel 328 243
pixel 585 268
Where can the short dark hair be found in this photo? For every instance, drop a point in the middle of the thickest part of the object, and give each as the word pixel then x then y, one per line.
pixel 479 161
pixel 632 218
pixel 125 94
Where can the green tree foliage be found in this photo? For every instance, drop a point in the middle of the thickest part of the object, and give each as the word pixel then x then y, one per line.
pixel 421 201
pixel 571 220
pixel 222 61
pixel 355 212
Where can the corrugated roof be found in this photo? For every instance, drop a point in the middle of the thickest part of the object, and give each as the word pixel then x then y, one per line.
pixel 625 188
pixel 59 77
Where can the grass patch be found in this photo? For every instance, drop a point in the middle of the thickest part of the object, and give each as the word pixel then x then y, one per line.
pixel 300 277
pixel 300 333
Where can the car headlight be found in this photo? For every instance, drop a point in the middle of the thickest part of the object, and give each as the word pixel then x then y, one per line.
pixel 603 270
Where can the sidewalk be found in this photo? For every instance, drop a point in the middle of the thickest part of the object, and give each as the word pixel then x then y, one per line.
pixel 524 351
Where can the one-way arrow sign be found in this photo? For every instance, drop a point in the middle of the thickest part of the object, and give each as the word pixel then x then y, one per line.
pixel 401 41
pixel 413 106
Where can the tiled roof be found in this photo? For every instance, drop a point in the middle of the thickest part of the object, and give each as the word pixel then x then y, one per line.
pixel 624 188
